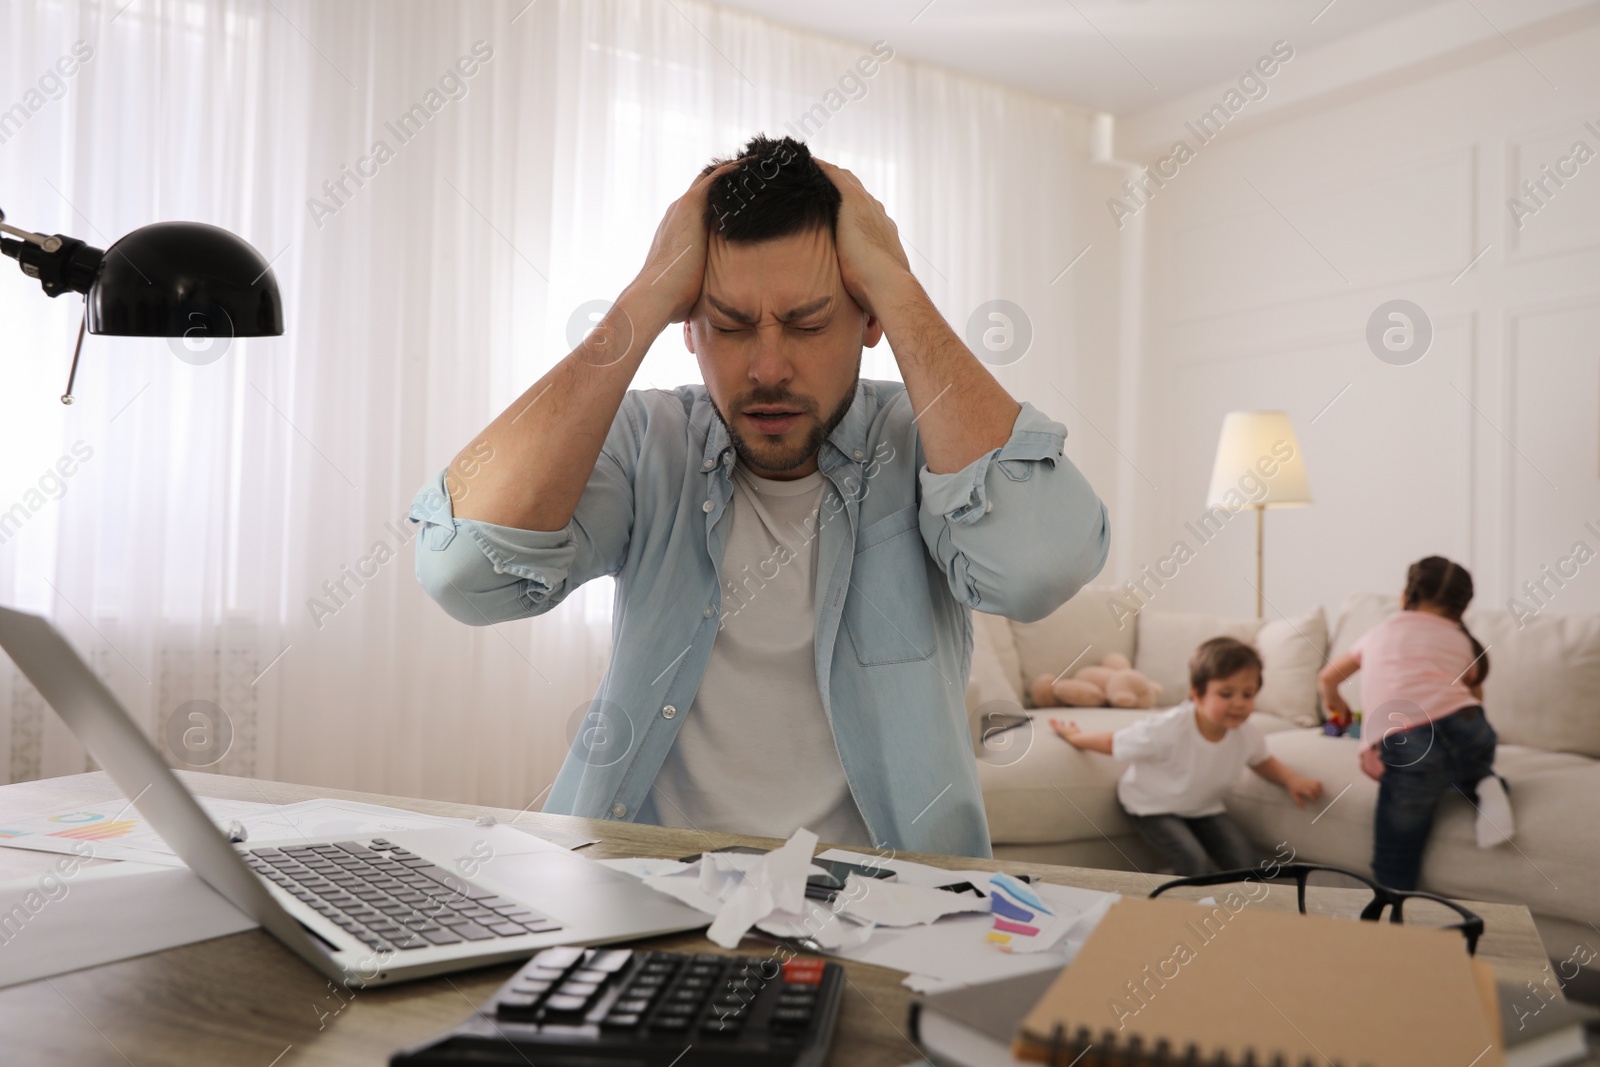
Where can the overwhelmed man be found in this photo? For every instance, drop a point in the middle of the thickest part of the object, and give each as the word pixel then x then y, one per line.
pixel 797 550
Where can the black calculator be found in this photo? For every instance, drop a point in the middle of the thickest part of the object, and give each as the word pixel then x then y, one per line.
pixel 578 1007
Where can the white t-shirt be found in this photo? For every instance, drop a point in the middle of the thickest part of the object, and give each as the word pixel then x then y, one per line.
pixel 1174 770
pixel 755 753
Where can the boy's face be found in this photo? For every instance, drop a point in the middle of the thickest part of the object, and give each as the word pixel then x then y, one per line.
pixel 776 328
pixel 1228 702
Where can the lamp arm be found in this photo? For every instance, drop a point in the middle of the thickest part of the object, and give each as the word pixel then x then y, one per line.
pixel 61 264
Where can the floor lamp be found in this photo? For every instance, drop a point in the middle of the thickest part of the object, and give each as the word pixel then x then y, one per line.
pixel 1258 466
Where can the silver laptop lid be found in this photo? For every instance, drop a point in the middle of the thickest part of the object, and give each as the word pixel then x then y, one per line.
pixel 109 734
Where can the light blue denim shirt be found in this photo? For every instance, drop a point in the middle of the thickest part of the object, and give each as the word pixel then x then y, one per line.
pixel 904 558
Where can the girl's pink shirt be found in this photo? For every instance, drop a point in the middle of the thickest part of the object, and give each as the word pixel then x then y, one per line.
pixel 1412 667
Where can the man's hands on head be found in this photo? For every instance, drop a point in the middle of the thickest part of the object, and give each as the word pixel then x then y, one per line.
pixel 673 275
pixel 933 361
pixel 872 262
pixel 546 443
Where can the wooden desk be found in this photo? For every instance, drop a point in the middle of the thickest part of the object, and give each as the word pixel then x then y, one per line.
pixel 245 1000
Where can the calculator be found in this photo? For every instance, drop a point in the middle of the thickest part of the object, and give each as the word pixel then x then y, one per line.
pixel 583 1007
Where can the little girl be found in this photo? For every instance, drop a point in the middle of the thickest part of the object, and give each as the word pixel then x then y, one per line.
pixel 1424 732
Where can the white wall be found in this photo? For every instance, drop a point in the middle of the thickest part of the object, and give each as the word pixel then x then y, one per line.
pixel 1266 255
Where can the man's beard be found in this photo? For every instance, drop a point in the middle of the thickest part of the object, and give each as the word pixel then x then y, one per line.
pixel 787 460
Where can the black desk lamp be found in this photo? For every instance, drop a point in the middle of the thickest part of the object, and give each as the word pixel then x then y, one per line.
pixel 168 279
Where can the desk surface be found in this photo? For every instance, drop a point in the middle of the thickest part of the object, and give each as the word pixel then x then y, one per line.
pixel 245 1000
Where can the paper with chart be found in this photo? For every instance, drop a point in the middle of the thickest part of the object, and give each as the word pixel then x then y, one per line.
pixel 116 830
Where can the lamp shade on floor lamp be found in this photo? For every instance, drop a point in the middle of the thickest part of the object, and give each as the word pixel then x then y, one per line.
pixel 1258 465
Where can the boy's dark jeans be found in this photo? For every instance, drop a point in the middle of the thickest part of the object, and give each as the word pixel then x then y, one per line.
pixel 1420 766
pixel 1195 846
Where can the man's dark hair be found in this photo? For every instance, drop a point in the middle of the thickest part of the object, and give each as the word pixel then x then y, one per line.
pixel 776 190
pixel 1222 657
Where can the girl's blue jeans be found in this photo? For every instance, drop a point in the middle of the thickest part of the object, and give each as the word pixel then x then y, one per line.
pixel 1421 765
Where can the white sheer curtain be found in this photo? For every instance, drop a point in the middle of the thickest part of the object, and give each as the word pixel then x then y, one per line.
pixel 236 535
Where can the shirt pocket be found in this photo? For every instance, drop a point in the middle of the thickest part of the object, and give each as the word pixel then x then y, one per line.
pixel 888 611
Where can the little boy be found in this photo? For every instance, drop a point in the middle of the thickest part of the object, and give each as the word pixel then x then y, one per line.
pixel 1183 760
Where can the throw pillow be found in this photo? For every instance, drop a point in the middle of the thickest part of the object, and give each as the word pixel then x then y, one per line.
pixel 1293 651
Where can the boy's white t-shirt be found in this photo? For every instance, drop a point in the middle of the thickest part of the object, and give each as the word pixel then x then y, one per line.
pixel 1174 770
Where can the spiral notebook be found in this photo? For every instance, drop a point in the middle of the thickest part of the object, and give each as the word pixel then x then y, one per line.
pixel 1173 982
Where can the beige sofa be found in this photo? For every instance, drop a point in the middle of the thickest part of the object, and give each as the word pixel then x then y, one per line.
pixel 1049 802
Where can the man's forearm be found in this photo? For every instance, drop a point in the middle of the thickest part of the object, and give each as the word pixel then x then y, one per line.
pixel 543 447
pixel 962 411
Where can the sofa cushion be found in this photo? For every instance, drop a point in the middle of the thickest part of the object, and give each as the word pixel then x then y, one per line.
pixel 1168 638
pixel 1293 651
pixel 1543 688
pixel 1083 629
pixel 1552 865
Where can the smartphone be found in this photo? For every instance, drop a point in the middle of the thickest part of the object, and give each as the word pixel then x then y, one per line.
pixel 997 722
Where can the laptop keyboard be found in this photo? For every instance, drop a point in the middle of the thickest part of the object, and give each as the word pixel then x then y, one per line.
pixel 392 899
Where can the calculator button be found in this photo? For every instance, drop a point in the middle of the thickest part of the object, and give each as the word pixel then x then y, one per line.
pixel 565 1005
pixel 558 959
pixel 572 988
pixel 669 1024
pixel 609 961
pixel 803 972
pixel 514 1005
pixel 619 1022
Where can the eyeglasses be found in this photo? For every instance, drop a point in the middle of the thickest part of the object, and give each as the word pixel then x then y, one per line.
pixel 1404 906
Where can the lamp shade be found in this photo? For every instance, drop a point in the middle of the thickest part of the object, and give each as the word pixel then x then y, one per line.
pixel 1258 463
pixel 184 279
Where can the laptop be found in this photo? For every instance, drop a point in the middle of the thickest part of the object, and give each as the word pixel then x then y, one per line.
pixel 370 911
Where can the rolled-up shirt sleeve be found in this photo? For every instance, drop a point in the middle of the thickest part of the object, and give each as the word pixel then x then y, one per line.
pixel 482 573
pixel 1018 530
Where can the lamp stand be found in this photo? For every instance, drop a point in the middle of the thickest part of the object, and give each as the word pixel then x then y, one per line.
pixel 1260 527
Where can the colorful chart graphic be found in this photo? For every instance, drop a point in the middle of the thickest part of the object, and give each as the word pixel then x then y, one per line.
pixel 100 831
pixel 78 816
pixel 1016 912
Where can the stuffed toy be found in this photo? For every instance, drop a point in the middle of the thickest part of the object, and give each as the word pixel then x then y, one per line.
pixel 1112 683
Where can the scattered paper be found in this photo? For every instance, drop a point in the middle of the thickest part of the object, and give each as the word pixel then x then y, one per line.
pixel 566 839
pixel 895 904
pixel 775 882
pixel 107 912
pixel 644 866
pixel 955 951
pixel 117 831
pixel 818 927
